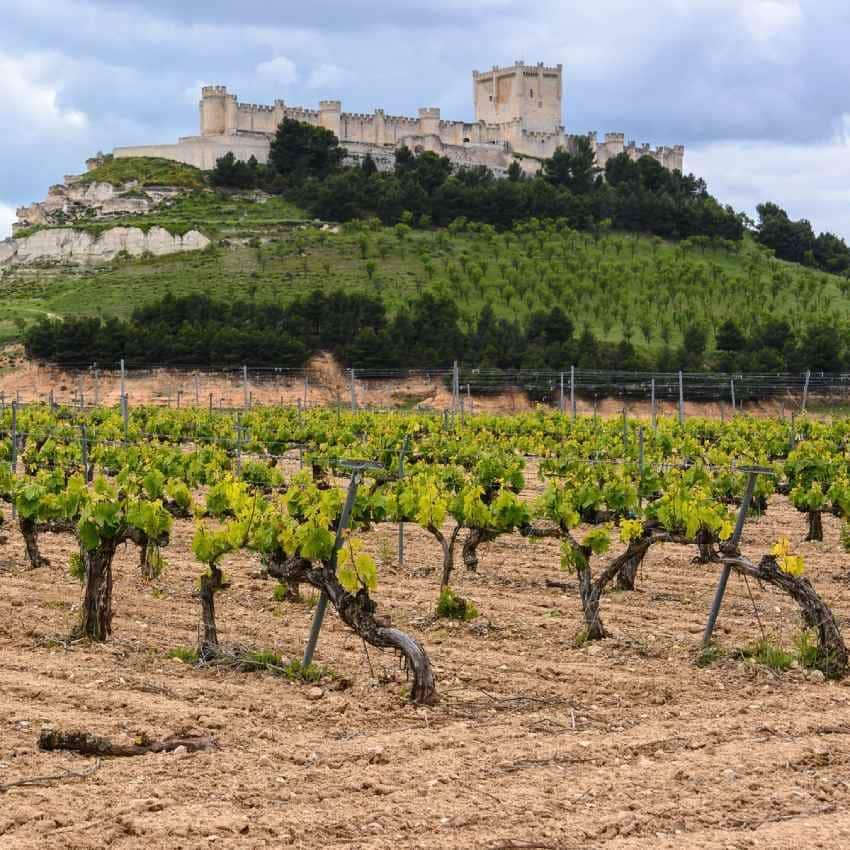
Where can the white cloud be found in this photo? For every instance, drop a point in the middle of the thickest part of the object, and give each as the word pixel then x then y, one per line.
pixel 7 216
pixel 809 181
pixel 30 94
pixel 771 20
pixel 280 68
pixel 326 76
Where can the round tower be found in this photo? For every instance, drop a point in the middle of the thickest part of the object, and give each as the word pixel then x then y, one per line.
pixel 213 110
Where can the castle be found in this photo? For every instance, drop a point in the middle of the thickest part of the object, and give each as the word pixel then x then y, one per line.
pixel 518 117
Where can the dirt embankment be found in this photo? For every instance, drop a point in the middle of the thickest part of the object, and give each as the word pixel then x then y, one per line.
pixel 326 384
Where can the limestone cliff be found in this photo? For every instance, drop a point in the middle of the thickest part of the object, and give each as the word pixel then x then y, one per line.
pixel 65 244
pixel 76 199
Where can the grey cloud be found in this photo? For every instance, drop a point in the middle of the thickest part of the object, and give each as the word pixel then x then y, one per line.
pixel 699 72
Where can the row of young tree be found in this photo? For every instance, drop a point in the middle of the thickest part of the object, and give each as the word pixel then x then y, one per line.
pixel 427 332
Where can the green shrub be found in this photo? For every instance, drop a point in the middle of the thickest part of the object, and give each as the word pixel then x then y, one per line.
pixel 806 646
pixel 769 654
pixel 258 660
pixel 454 607
pixel 186 654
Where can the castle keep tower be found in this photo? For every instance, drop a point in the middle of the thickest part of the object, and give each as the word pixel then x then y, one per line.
pixel 518 118
pixel 218 111
pixel 531 94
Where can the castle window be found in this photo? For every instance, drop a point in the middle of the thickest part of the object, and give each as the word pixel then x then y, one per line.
pixel 491 98
pixel 531 94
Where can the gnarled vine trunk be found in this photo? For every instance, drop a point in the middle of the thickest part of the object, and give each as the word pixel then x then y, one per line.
pixel 591 593
pixel 357 611
pixel 29 531
pixel 96 616
pixel 815 526
pixel 632 561
pixel 273 567
pixel 832 656
pixel 448 548
pixel 211 583
pixel 474 539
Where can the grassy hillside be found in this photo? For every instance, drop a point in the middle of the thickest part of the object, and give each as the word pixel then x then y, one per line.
pixel 619 286
pixel 147 171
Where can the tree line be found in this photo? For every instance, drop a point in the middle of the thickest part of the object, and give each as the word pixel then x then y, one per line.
pixel 306 163
pixel 427 332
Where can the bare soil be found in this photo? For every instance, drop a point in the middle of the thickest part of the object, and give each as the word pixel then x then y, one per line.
pixel 327 384
pixel 535 743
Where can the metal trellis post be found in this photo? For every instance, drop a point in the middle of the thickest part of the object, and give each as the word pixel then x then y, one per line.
pixel 752 473
pixel 14 459
pixel 640 465
pixel 573 392
pixel 322 604
pixel 654 412
pixel 401 523
pixel 681 400
pixel 806 389
pixel 84 445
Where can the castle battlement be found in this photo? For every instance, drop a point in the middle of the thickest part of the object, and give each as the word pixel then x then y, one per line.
pixel 530 69
pixel 518 113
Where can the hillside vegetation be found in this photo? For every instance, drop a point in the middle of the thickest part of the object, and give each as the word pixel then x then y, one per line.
pixel 617 287
pixel 147 171
pixel 641 268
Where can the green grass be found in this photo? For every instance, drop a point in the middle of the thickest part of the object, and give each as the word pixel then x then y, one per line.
pixel 148 171
pixel 617 285
pixel 454 607
pixel 212 213
pixel 186 654
pixel 768 654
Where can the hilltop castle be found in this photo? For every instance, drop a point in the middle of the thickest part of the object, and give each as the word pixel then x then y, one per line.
pixel 518 116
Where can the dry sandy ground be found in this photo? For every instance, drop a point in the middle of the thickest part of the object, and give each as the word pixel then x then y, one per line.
pixel 30 381
pixel 535 743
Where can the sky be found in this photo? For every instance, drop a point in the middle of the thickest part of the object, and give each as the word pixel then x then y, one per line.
pixel 757 90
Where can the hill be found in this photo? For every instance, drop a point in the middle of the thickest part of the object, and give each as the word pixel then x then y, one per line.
pixel 648 302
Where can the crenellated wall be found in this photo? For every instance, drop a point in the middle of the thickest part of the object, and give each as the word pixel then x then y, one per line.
pixel 517 112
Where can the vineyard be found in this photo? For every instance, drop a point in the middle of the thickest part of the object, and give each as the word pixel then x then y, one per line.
pixel 493 628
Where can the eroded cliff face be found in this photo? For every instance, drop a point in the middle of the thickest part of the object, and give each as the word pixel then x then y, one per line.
pixel 74 200
pixel 65 244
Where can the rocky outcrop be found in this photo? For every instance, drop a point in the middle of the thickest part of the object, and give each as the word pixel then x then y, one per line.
pixel 64 244
pixel 76 199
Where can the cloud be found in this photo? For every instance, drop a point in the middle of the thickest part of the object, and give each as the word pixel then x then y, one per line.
pixel 7 216
pixel 724 77
pixel 29 95
pixel 326 76
pixel 281 69
pixel 809 181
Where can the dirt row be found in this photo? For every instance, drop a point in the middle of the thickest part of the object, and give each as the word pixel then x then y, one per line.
pixel 535 743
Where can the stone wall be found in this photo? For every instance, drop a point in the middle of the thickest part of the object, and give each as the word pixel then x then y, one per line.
pixel 518 111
